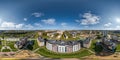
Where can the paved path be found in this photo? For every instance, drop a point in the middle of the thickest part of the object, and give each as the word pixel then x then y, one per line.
pixel 36 49
pixel 9 54
pixel 91 51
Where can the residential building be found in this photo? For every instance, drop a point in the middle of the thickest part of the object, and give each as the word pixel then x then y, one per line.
pixel 41 41
pixel 87 43
pixel 63 46
pixel 21 43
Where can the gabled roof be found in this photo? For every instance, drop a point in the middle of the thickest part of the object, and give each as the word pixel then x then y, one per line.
pixel 86 41
pixel 41 39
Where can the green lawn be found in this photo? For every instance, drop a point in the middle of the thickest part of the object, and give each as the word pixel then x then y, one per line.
pixel 35 46
pixel 11 45
pixel 44 52
pixel 6 50
pixel 2 44
pixel 93 45
pixel 118 48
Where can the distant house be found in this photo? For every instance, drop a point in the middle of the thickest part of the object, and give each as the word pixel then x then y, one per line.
pixel 105 33
pixel 51 34
pixel 115 39
pixel 22 42
pixel 73 34
pixel 40 33
pixel 59 32
pixel 65 36
pixel 118 38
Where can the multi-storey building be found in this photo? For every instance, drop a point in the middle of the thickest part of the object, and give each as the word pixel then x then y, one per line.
pixel 63 46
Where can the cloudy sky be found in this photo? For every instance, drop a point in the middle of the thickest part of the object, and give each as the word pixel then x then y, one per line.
pixel 59 14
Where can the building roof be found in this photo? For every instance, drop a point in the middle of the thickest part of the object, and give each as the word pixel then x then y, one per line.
pixel 109 43
pixel 62 42
pixel 41 39
pixel 86 41
pixel 23 39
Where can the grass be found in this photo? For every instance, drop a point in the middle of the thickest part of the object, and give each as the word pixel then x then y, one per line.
pixel 44 52
pixel 11 45
pixel 0 46
pixel 118 48
pixel 35 46
pixel 92 45
pixel 6 50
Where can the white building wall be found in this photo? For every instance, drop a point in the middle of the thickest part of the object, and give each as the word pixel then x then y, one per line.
pixel 73 48
pixel 49 46
pixel 115 37
pixel 11 39
pixel 76 47
pixel 61 49
pixel 85 45
pixel 79 47
pixel 41 43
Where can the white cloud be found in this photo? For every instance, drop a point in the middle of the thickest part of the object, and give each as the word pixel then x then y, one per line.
pixel 112 28
pixel 0 20
pixel 25 19
pixel 37 14
pixel 29 26
pixel 89 19
pixel 108 24
pixel 109 28
pixel 86 26
pixel 19 25
pixel 50 21
pixel 8 24
pixel 5 25
pixel 64 24
pixel 118 27
pixel 118 20
pixel 38 24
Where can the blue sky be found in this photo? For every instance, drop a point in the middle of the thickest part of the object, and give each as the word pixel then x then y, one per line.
pixel 60 14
